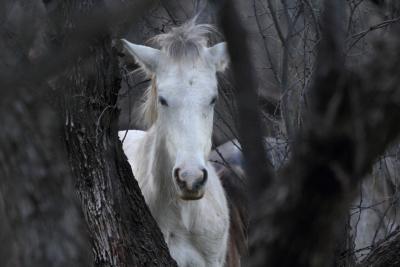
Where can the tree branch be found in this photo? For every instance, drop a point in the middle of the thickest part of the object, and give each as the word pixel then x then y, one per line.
pixel 385 253
pixel 250 131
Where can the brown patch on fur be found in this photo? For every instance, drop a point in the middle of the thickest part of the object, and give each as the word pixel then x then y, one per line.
pixel 237 201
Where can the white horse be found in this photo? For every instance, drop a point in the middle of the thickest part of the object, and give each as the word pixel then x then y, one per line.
pixel 170 159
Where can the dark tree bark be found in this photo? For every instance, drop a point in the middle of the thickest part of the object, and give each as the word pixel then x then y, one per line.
pixel 40 222
pixel 121 227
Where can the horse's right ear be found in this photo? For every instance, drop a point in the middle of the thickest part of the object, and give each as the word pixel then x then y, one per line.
pixel 147 57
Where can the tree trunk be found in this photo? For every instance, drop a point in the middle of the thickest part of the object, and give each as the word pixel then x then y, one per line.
pixel 122 230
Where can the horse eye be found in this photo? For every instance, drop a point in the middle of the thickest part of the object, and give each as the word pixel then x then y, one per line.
pixel 213 100
pixel 163 101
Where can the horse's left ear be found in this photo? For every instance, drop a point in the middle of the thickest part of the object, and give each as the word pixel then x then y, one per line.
pixel 147 57
pixel 219 55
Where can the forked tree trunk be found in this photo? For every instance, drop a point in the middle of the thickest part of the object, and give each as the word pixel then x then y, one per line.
pixel 122 230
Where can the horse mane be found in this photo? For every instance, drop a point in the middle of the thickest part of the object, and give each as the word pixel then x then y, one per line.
pixel 180 43
pixel 147 110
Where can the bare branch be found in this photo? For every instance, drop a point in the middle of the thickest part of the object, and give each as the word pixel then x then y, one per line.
pixel 250 131
pixel 385 253
pixel 360 35
pixel 276 21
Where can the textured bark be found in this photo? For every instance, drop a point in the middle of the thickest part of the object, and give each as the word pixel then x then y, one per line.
pixel 121 227
pixel 40 222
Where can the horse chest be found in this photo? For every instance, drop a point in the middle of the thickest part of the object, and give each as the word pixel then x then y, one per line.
pixel 194 240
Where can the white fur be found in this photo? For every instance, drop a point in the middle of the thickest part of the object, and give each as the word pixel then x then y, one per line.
pixel 147 57
pixel 196 231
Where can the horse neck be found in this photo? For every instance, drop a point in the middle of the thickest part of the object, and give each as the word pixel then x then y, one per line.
pixel 158 185
pixel 158 188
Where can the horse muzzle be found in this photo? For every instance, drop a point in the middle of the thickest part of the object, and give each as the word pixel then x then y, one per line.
pixel 191 182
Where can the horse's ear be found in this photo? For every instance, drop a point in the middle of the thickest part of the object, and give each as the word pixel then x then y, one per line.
pixel 219 55
pixel 147 57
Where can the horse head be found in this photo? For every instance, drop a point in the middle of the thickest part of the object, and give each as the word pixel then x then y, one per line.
pixel 180 101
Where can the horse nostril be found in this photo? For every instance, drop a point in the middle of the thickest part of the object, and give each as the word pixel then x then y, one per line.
pixel 201 182
pixel 181 183
pixel 176 173
pixel 205 176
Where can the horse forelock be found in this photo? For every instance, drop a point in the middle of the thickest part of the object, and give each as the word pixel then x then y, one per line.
pixel 186 41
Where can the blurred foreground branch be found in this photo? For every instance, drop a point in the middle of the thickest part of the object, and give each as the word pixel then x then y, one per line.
pixel 352 119
pixel 40 222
